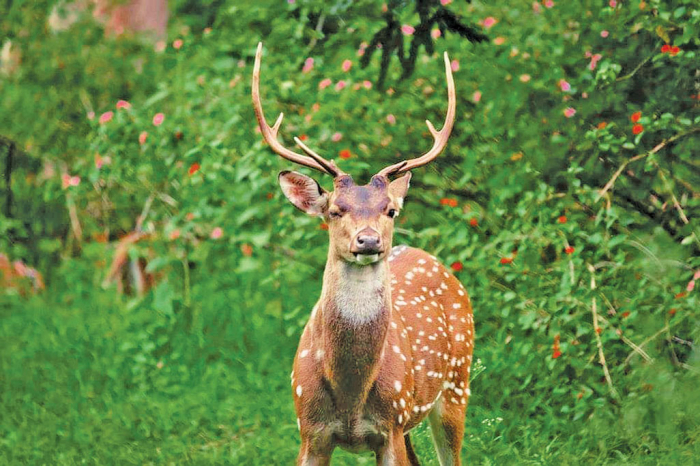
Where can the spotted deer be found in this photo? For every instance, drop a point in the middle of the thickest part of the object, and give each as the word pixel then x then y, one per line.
pixel 390 341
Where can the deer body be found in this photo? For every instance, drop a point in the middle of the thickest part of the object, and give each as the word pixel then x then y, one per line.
pixel 390 341
pixel 369 369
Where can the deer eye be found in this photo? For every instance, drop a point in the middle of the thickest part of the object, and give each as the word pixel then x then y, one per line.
pixel 392 213
pixel 335 214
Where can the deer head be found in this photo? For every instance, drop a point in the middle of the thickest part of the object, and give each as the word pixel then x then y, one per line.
pixel 360 218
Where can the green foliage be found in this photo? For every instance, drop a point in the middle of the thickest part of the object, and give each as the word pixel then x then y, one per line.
pixel 551 213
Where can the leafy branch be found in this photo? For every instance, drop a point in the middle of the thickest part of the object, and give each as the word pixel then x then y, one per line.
pixel 390 38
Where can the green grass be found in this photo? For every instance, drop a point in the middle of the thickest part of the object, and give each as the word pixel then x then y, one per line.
pixel 90 379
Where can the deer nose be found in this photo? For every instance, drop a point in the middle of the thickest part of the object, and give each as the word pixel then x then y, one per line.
pixel 367 241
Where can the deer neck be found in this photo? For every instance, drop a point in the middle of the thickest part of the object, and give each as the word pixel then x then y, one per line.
pixel 354 316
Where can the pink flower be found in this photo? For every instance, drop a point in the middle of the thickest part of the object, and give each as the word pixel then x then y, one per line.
pixel 445 2
pixel 123 104
pixel 536 8
pixel 340 85
pixel 158 119
pixel 101 161
pixel 490 22
pixel 366 84
pixel 435 33
pixel 549 3
pixel 177 44
pixel 216 233
pixel 604 33
pixel 612 3
pixel 347 64
pixel 525 78
pixel 67 180
pixel 325 83
pixel 569 112
pixel 476 97
pixel 142 137
pixel 361 50
pixel 391 119
pixel 697 275
pixel 594 61
pixel 336 137
pixel 105 117
pixel 691 286
pixel 499 40
pixel 564 85
pixel 407 30
pixel 454 65
pixel 308 65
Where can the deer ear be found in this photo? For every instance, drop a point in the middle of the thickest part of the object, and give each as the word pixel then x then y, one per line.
pixel 399 187
pixel 304 192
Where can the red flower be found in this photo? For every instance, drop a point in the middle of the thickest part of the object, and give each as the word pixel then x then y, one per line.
pixel 247 249
pixel 602 125
pixel 194 168
pixel 598 330
pixel 345 154
pixel 474 222
pixel 452 203
pixel 448 202
pixel 457 266
pixel 636 116
pixel 625 314
pixel 674 50
pixel 680 295
pixel 324 226
pixel 506 260
pixel 303 137
pixel 569 250
pixel 672 312
pixel 665 48
pixel 556 351
pixel 579 396
pixel 636 129
pixel 562 219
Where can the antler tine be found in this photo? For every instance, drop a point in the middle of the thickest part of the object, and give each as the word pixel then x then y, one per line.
pixel 327 165
pixel 314 160
pixel 440 137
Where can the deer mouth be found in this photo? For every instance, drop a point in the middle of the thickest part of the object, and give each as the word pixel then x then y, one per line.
pixel 366 259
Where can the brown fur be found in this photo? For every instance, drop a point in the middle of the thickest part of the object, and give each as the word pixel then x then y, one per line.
pixel 387 343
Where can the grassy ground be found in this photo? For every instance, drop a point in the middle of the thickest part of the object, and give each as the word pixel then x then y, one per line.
pixel 89 379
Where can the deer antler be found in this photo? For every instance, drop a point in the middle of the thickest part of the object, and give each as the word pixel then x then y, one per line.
pixel 440 137
pixel 313 160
